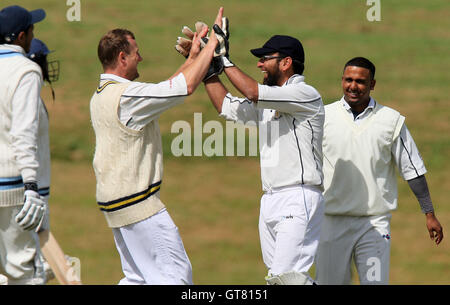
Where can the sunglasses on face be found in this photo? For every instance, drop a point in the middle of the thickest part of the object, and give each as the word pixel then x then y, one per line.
pixel 269 57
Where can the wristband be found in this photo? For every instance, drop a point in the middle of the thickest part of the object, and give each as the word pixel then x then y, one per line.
pixel 31 186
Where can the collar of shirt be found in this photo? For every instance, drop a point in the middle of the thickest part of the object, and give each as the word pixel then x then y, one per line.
pixel 13 47
pixel 363 114
pixel 113 77
pixel 296 78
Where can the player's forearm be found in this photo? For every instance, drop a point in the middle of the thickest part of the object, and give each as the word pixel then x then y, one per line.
pixel 244 83
pixel 419 187
pixel 196 71
pixel 216 92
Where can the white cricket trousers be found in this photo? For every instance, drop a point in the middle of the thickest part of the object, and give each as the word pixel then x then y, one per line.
pixel 366 240
pixel 289 228
pixel 152 252
pixel 20 257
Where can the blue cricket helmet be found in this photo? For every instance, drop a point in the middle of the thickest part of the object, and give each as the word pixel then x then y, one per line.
pixel 37 48
pixel 38 53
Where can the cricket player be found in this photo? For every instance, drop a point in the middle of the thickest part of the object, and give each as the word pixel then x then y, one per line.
pixel 50 72
pixel 364 142
pixel 22 208
pixel 128 157
pixel 291 113
pixel 38 53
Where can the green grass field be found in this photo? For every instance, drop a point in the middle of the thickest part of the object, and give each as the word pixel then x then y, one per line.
pixel 215 201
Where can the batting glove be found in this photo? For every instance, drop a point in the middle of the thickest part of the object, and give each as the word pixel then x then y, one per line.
pixel 33 211
pixel 45 223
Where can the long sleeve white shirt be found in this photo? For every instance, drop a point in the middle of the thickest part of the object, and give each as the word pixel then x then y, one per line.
pixel 290 120
pixel 141 103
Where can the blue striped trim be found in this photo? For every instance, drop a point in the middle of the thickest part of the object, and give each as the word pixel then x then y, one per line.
pixel 10 179
pixel 45 191
pixel 8 183
pixel 10 54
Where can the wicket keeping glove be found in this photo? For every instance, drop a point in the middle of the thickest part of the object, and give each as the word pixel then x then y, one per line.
pixel 33 211
pixel 223 35
pixel 221 54
pixel 184 45
pixel 215 68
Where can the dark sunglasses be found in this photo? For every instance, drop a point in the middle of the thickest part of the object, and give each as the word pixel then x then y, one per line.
pixel 269 57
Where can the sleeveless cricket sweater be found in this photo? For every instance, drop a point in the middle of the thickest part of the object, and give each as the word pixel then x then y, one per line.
pixel 359 169
pixel 127 162
pixel 13 66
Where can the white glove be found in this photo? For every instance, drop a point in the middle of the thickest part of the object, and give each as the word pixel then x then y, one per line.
pixel 33 211
pixel 45 223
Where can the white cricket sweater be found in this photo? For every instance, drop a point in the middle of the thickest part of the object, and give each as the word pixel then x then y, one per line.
pixel 359 168
pixel 20 83
pixel 127 162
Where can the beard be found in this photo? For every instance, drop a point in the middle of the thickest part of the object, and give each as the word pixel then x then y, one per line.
pixel 272 78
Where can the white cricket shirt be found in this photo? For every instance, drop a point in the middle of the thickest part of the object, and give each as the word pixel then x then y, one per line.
pixel 290 120
pixel 141 103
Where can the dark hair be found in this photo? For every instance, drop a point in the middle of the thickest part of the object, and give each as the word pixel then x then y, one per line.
pixel 363 63
pixel 111 44
pixel 10 38
pixel 298 66
pixel 41 60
